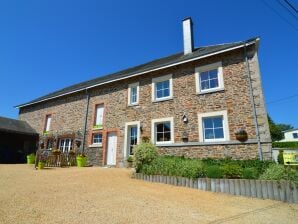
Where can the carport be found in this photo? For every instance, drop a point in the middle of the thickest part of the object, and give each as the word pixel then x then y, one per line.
pixel 17 139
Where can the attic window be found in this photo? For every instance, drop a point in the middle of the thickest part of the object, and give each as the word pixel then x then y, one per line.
pixel 48 123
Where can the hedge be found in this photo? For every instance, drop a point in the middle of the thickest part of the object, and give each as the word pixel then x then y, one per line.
pixel 292 145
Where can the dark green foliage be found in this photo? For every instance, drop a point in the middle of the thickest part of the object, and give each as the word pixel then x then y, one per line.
pixel 276 130
pixel 214 171
pixel 144 153
pixel 285 145
pixel 174 166
pixel 250 173
pixel 232 171
pixel 280 157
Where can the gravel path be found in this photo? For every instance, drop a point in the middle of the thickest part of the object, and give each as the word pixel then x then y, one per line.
pixel 99 195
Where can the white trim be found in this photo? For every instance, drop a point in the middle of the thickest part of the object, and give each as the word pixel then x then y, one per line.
pixel 162 79
pixel 153 130
pixel 95 146
pixel 136 84
pixel 224 114
pixel 127 124
pixel 141 73
pixel 198 70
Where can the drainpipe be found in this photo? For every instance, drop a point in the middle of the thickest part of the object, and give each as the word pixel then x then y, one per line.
pixel 86 118
pixel 253 103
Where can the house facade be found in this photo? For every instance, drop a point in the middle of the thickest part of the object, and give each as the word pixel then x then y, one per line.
pixel 188 104
pixel 290 136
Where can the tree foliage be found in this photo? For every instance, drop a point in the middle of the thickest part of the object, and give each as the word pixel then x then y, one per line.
pixel 276 130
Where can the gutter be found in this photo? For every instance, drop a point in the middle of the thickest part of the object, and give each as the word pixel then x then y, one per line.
pixel 85 122
pixel 253 100
pixel 144 72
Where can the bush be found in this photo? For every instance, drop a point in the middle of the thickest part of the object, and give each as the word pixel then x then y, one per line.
pixel 231 171
pixel 274 172
pixel 280 157
pixel 250 173
pixel 285 145
pixel 144 153
pixel 214 171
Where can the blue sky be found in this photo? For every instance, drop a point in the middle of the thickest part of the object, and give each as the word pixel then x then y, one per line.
pixel 47 45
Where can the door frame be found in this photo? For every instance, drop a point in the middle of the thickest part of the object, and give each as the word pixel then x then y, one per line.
pixel 105 146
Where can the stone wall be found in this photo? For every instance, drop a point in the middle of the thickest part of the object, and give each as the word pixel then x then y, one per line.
pixel 68 112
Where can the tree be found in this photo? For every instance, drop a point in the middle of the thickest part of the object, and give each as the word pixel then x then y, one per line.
pixel 276 130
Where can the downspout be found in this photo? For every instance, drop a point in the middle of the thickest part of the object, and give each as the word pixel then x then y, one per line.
pixel 253 103
pixel 86 118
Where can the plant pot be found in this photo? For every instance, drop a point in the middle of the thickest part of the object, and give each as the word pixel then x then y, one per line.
pixel 242 137
pixel 81 161
pixel 31 159
pixel 41 165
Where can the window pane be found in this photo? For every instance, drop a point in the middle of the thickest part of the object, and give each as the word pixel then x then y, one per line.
pixel 219 133
pixel 217 122
pixel 167 136
pixel 162 89
pixel 48 122
pixel 97 138
pixel 209 134
pixel 159 94
pixel 167 126
pixel 163 131
pixel 166 93
pixel 208 123
pixel 99 115
pixel 159 86
pixel 213 74
pixel 159 137
pixel 205 85
pixel 133 96
pixel 166 84
pixel 159 127
pixel 204 76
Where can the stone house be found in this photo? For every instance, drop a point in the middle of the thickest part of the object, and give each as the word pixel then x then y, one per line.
pixel 189 104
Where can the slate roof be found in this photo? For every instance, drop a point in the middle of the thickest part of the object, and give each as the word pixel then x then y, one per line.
pixel 166 61
pixel 16 126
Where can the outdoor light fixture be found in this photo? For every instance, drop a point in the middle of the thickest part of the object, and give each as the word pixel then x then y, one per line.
pixel 141 128
pixel 184 118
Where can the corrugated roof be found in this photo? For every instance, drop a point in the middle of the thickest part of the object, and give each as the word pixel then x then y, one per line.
pixel 147 67
pixel 16 126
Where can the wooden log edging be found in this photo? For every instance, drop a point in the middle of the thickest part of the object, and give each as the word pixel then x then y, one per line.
pixel 285 191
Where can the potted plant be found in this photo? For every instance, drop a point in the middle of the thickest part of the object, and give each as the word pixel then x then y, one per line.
pixel 98 126
pixel 241 135
pixel 31 158
pixel 42 162
pixel 130 160
pixel 56 152
pixel 81 160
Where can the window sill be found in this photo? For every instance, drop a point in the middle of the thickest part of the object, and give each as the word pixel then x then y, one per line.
pixel 94 129
pixel 163 143
pixel 95 146
pixel 210 91
pixel 162 99
pixel 133 105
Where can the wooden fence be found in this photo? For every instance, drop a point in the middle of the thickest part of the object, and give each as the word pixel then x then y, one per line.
pixel 266 189
pixel 56 160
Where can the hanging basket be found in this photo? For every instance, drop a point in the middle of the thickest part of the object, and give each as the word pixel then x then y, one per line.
pixel 241 135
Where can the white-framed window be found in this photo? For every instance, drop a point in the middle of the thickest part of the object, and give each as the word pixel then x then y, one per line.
pixel 99 116
pixel 162 88
pixel 132 136
pixel 48 123
pixel 133 94
pixel 295 135
pixel 162 130
pixel 97 139
pixel 65 144
pixel 213 126
pixel 209 78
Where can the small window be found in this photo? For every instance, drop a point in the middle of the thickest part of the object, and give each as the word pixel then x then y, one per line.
pixel 99 116
pixel 65 145
pixel 48 123
pixel 213 126
pixel 162 88
pixel 97 138
pixel 133 94
pixel 295 135
pixel 133 138
pixel 163 130
pixel 209 78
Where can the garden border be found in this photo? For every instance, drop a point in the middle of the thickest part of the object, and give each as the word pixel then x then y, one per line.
pixel 285 191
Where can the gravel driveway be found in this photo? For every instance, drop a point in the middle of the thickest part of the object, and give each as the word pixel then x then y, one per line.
pixel 99 195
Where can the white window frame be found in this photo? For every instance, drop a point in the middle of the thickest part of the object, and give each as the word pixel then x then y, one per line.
pixel 48 122
pixel 130 86
pixel 64 144
pixel 96 144
pixel 96 117
pixel 199 70
pixel 162 79
pixel 127 125
pixel 153 130
pixel 226 130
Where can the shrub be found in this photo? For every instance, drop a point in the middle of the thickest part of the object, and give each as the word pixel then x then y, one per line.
pixel 231 171
pixel 280 157
pixel 273 172
pixel 285 145
pixel 214 171
pixel 144 153
pixel 250 173
pixel 130 159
